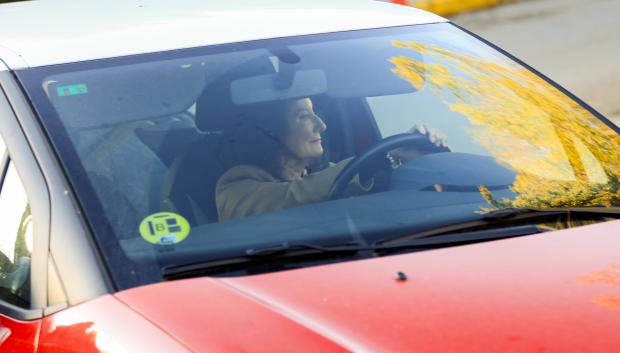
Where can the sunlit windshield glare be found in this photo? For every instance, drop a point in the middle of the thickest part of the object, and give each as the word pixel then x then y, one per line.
pixel 196 154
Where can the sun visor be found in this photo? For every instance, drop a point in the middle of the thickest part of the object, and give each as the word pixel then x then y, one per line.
pixel 113 95
pixel 358 68
pixel 263 88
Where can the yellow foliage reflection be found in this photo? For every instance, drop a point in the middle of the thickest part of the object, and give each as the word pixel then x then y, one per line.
pixel 562 154
pixel 608 301
pixel 608 276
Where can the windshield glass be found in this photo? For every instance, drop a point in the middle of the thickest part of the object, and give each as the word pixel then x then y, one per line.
pixel 198 154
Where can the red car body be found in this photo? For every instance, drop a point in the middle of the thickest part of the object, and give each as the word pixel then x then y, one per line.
pixel 544 293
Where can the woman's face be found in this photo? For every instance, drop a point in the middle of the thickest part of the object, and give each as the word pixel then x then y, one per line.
pixel 304 130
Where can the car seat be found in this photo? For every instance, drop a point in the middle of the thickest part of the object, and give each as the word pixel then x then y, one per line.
pixel 189 186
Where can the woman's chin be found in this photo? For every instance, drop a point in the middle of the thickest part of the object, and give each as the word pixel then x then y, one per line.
pixel 318 153
pixel 314 152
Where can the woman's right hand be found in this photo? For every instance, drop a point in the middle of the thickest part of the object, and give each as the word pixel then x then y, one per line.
pixel 435 142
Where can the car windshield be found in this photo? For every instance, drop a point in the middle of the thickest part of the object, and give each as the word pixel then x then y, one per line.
pixel 197 154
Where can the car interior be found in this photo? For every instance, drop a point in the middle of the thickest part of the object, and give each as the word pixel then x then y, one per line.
pixel 198 150
pixel 173 121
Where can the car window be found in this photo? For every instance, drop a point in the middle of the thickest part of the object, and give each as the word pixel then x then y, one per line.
pixel 203 154
pixel 16 239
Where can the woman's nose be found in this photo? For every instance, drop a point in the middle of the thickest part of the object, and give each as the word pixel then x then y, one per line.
pixel 319 124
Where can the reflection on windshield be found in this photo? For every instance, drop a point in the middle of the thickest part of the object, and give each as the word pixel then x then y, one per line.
pixel 563 156
pixel 146 140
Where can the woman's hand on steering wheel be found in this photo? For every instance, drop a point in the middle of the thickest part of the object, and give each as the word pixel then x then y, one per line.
pixel 419 140
pixel 434 142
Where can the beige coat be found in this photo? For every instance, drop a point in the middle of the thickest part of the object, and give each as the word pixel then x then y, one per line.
pixel 245 190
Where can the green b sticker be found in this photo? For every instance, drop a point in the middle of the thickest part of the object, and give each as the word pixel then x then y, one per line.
pixel 72 90
pixel 164 228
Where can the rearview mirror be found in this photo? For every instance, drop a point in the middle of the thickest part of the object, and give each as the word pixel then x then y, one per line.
pixel 305 83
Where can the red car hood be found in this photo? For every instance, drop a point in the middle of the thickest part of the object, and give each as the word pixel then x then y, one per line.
pixel 554 292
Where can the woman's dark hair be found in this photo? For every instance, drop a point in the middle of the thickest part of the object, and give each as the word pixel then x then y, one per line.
pixel 258 137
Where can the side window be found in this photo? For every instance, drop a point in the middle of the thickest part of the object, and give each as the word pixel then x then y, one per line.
pixel 15 240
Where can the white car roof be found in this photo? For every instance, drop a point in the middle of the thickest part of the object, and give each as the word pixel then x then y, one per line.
pixel 46 32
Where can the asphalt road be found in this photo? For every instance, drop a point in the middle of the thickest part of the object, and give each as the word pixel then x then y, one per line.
pixel 574 42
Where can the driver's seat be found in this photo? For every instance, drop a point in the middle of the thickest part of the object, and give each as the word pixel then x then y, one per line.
pixel 189 186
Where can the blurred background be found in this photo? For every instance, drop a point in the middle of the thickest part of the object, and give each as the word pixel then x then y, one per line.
pixel 574 42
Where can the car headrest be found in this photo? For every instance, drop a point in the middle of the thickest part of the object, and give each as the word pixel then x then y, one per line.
pixel 167 139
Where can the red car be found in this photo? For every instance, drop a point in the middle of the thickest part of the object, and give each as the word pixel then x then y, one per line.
pixel 271 176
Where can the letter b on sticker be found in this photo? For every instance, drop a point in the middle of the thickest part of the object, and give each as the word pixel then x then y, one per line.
pixel 164 228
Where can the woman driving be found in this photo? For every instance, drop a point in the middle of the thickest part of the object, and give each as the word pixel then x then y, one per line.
pixel 274 145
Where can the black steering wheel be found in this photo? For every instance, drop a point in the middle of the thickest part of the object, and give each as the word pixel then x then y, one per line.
pixel 379 150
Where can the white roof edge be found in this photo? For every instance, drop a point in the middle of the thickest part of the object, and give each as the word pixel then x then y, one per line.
pixel 97 30
pixel 9 60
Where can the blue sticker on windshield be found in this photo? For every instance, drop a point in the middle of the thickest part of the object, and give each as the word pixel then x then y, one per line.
pixel 72 90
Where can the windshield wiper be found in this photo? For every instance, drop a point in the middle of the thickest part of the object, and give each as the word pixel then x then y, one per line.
pixel 291 251
pixel 299 248
pixel 493 225
pixel 498 219
pixel 577 211
pixel 252 256
pixel 500 224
